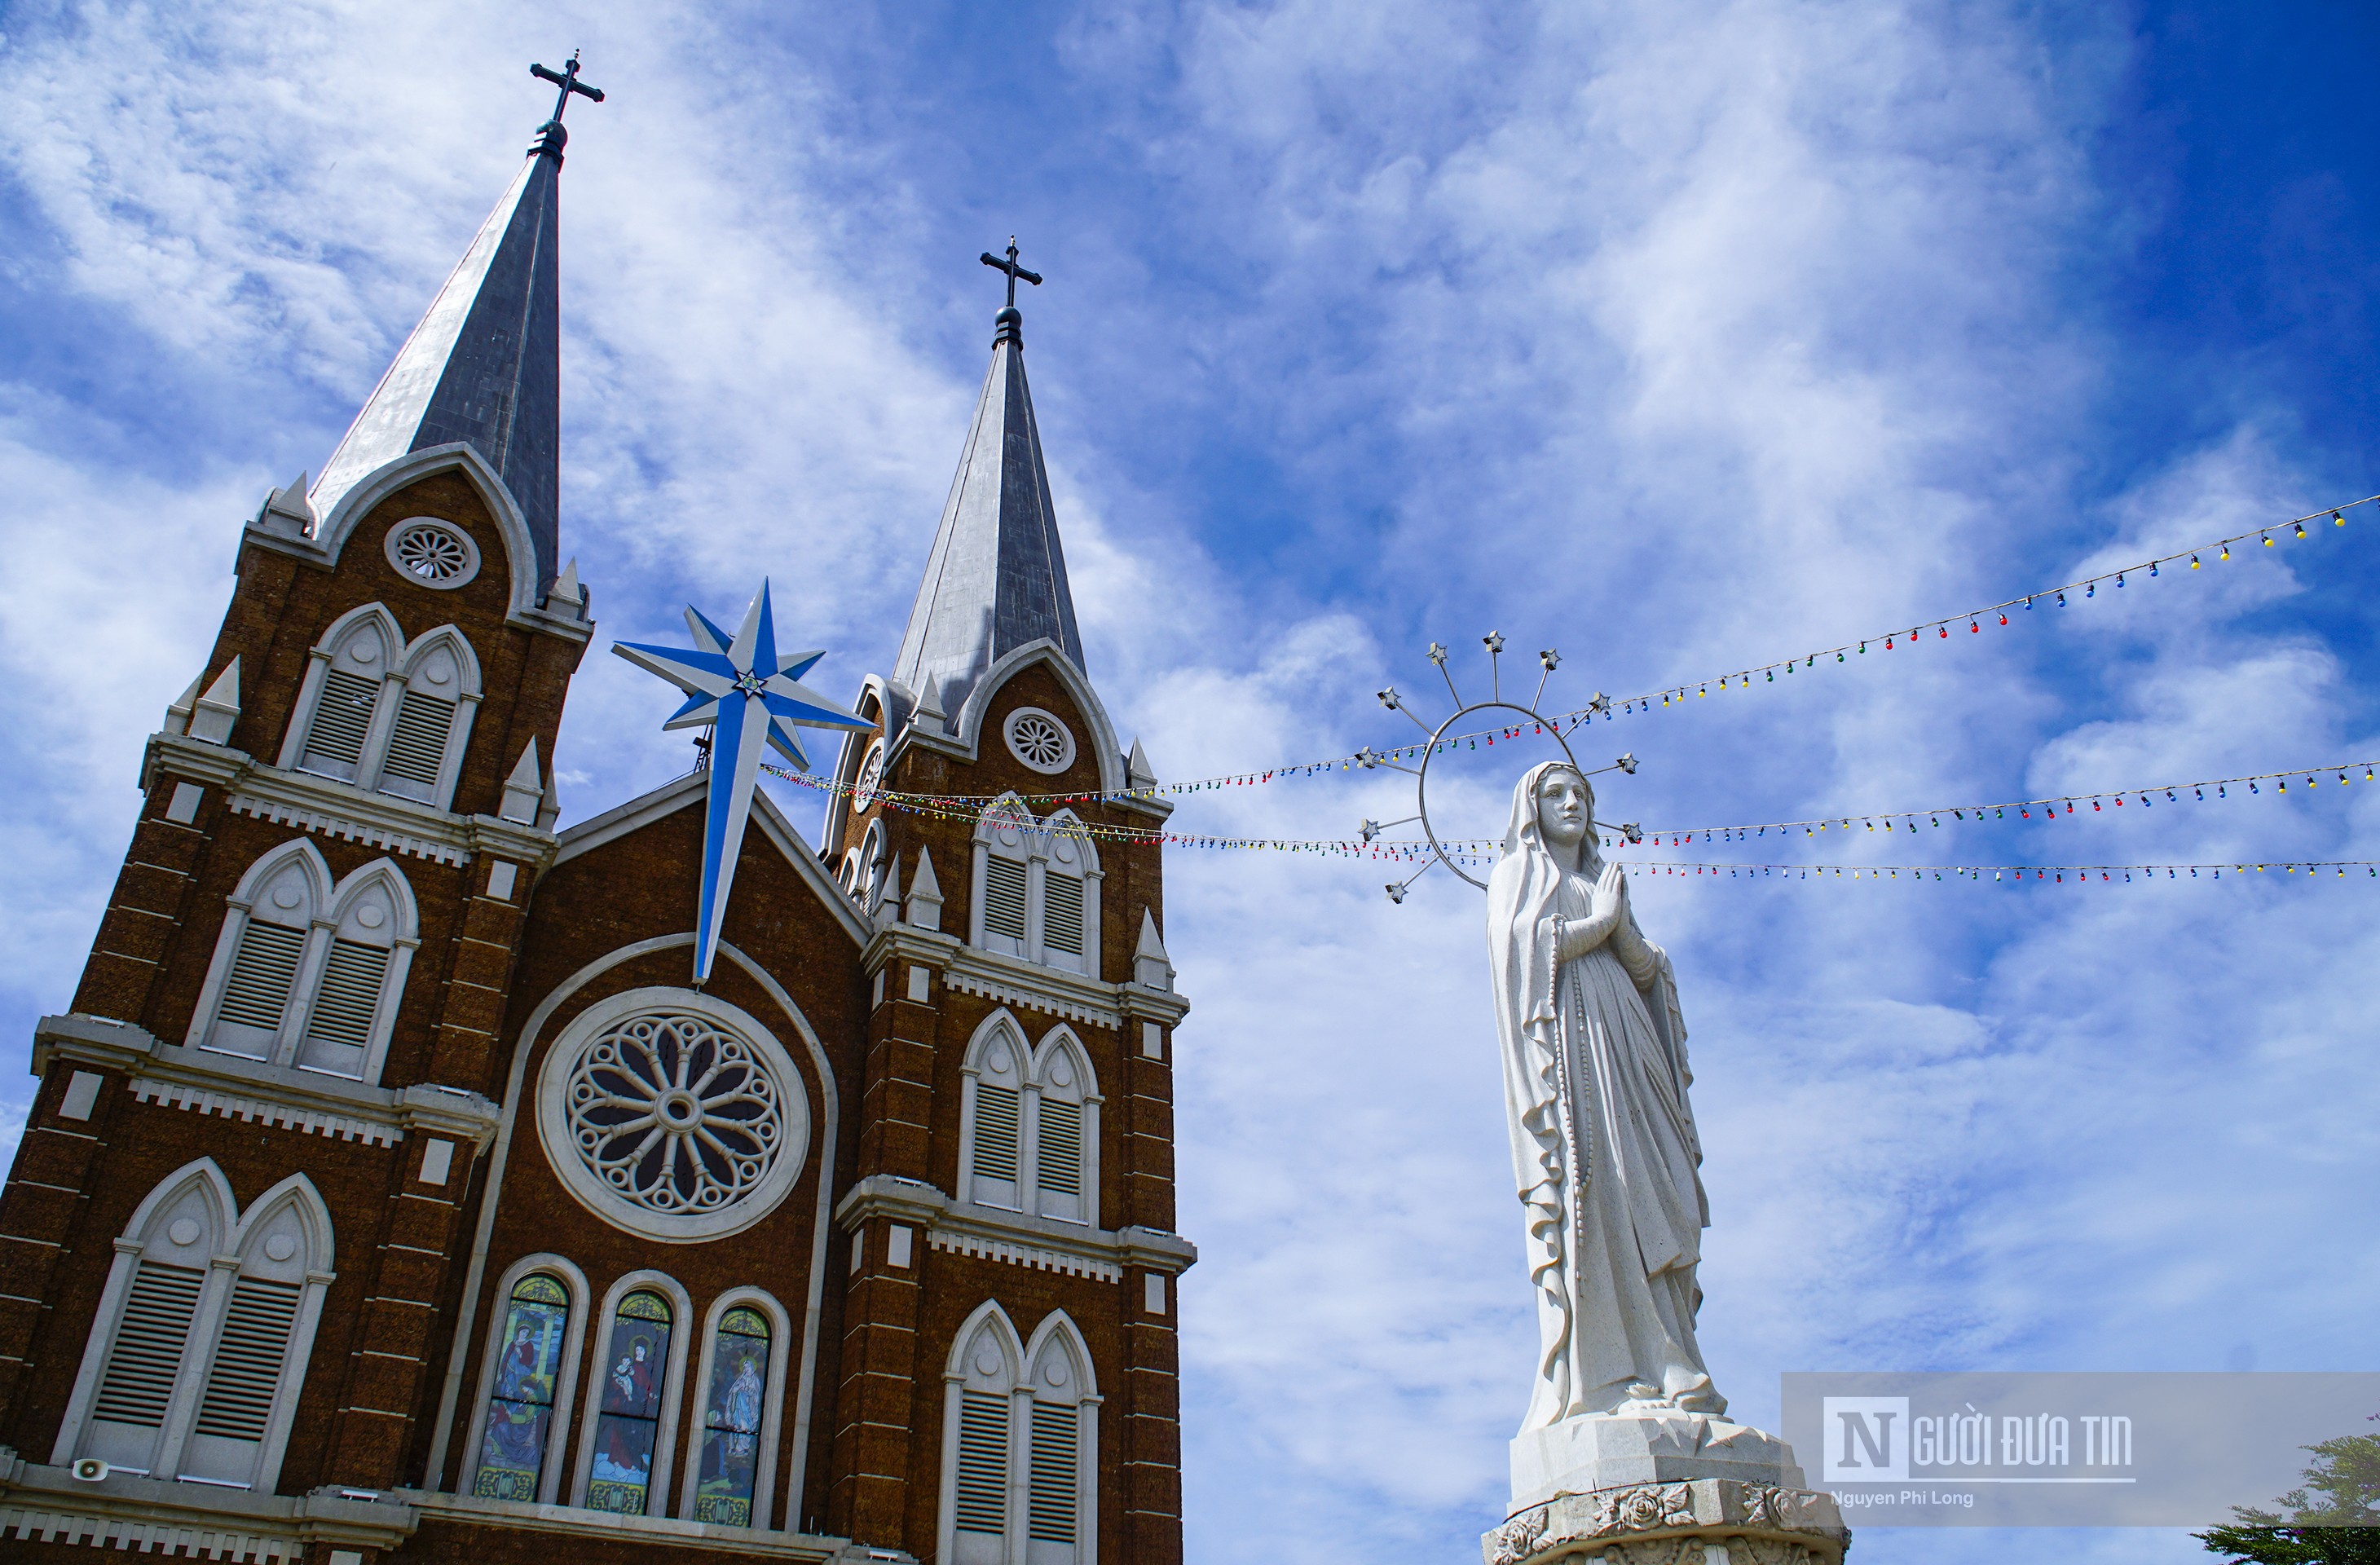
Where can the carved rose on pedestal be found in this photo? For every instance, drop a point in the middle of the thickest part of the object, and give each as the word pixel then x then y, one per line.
pixel 1621 1516
pixel 1518 1538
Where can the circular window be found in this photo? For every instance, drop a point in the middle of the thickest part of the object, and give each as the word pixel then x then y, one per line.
pixel 871 776
pixel 672 1115
pixel 1039 740
pixel 432 552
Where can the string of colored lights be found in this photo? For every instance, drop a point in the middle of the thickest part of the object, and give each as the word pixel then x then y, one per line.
pixel 1671 695
pixel 2057 872
pixel 2048 807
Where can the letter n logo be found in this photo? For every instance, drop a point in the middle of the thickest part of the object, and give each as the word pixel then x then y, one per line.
pixel 1867 1439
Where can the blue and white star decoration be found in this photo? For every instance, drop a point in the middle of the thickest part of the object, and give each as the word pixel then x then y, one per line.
pixel 751 696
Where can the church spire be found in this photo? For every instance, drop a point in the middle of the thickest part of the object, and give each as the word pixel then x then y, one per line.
pixel 997 576
pixel 484 367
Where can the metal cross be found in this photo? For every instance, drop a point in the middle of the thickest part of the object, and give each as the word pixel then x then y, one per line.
pixel 1013 271
pixel 567 80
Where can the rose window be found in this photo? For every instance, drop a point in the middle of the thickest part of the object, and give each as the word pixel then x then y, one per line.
pixel 871 776
pixel 675 1114
pixel 673 1120
pixel 432 554
pixel 1039 740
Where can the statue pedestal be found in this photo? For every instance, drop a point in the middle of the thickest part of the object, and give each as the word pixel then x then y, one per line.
pixel 1608 1450
pixel 1694 1522
pixel 1643 1484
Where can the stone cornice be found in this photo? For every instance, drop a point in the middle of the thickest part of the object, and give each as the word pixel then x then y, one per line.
pixel 343 810
pixel 660 1533
pixel 126 1511
pixel 1014 981
pixel 224 1084
pixel 923 1205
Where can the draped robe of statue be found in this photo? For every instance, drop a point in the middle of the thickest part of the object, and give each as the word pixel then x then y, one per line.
pixel 1603 1148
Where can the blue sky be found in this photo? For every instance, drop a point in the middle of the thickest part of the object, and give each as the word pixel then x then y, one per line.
pixel 1683 336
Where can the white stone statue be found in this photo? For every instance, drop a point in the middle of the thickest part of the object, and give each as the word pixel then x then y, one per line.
pixel 1607 1166
pixel 1603 1139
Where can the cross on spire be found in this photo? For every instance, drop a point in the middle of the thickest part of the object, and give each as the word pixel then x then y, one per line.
pixel 551 136
pixel 1013 271
pixel 567 80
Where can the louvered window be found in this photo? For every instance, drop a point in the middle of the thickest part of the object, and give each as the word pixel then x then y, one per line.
pixel 1062 913
pixel 146 1354
pixel 257 993
pixel 1003 898
pixel 983 1462
pixel 1059 1167
pixel 417 742
pixel 1049 1506
pixel 350 998
pixel 342 716
pixel 249 1357
pixel 996 1120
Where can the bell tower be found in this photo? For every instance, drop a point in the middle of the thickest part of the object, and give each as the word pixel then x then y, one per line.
pixel 230 1227
pixel 1011 1305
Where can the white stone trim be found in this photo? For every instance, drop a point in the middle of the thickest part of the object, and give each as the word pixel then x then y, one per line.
pixel 648 1536
pixel 561 1150
pixel 978 1245
pixel 645 1281
pixel 337 824
pixel 566 1373
pixel 332 532
pixel 990 987
pixel 233 1106
pixel 772 1406
pixel 32 1524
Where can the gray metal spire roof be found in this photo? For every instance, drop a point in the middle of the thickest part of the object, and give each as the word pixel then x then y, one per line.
pixel 484 365
pixel 997 576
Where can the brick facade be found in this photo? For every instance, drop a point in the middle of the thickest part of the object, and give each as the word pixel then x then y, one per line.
pixel 435 1176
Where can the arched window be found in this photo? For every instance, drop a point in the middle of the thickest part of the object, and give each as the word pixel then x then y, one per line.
pixel 978 1440
pixel 1037 887
pixel 1020 1444
pixel 627 1444
pixel 526 1387
pixel 991 1114
pixel 1069 897
pixel 339 704
pixel 439 689
pixel 382 713
pixel 521 1406
pixel 306 972
pixel 1004 838
pixel 199 1345
pixel 1062 1466
pixel 731 1474
pixel 1063 1104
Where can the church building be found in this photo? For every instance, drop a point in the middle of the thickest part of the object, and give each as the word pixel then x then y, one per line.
pixel 412 1180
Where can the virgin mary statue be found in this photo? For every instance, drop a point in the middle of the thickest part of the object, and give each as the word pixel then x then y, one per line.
pixel 1604 1147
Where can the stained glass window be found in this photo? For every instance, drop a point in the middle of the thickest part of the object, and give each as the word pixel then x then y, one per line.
pixel 630 1406
pixel 731 1421
pixel 520 1402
